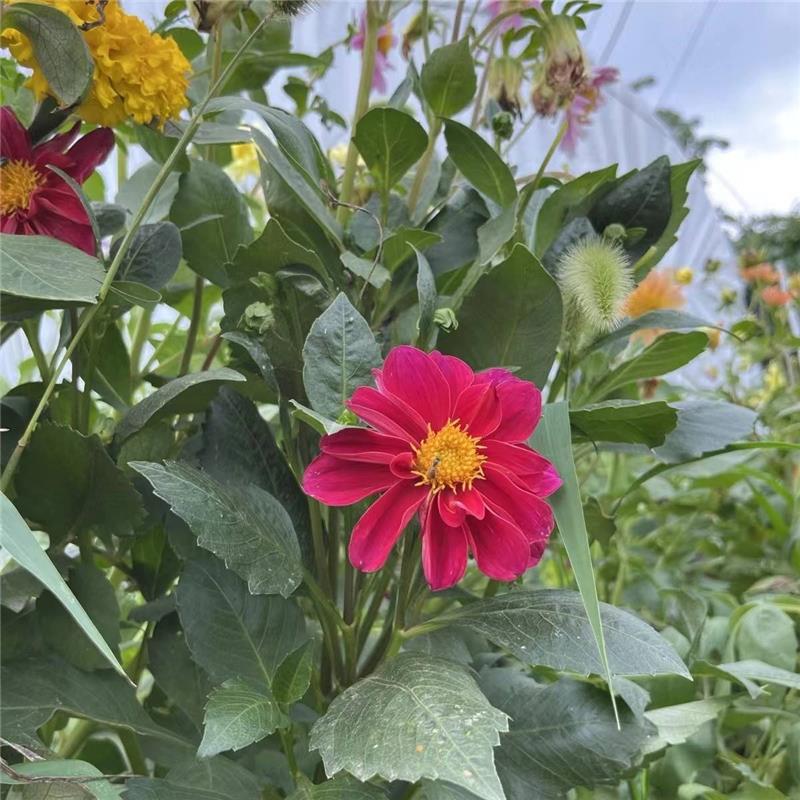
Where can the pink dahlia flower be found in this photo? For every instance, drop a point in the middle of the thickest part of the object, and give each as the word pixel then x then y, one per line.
pixel 36 200
pixel 496 7
pixel 449 445
pixel 386 41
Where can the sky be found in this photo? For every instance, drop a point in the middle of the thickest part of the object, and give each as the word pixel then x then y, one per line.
pixel 736 65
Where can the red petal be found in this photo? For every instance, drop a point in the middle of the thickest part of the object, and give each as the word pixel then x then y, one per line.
pixel 47 223
pixel 362 444
pixel 375 534
pixel 478 409
pixel 532 514
pixel 388 414
pixel 457 373
pixel 500 547
pixel 520 400
pixel 532 470
pixel 57 144
pixel 65 204
pixel 14 142
pixel 341 483
pixel 402 466
pixel 444 552
pixel 89 152
pixel 455 506
pixel 412 375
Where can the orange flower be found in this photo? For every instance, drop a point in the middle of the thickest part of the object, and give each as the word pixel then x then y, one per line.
pixel 761 273
pixel 774 296
pixel 658 290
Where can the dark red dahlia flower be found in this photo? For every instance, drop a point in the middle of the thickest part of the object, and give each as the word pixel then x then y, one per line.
pixel 35 199
pixel 448 444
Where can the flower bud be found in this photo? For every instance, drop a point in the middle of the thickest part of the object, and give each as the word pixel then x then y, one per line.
pixel 505 78
pixel 712 265
pixel 445 318
pixel 503 124
pixel 565 64
pixel 414 32
pixel 614 231
pixel 207 13
pixel 684 276
pixel 595 277
pixel 728 296
pixel 257 318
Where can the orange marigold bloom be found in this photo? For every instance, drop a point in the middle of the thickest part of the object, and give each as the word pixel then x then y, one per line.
pixel 775 296
pixel 761 273
pixel 658 290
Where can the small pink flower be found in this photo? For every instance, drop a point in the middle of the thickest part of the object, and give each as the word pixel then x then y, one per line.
pixel 495 7
pixel 386 40
pixel 449 445
pixel 776 297
pixel 587 100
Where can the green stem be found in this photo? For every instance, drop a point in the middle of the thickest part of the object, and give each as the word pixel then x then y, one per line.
pixel 31 330
pixel 528 191
pixel 133 750
pixel 147 202
pixel 362 104
pixel 140 339
pixel 422 167
pixel 194 326
pixel 287 742
pixel 71 741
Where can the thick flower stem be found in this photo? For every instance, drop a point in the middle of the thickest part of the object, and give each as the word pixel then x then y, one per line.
pixel 194 326
pixel 147 202
pixel 140 339
pixel 362 104
pixel 31 330
pixel 422 167
pixel 528 191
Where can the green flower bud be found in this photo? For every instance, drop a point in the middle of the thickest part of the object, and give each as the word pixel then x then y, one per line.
pixel 445 318
pixel 505 78
pixel 595 277
pixel 257 318
pixel 207 13
pixel 347 417
pixel 614 231
pixel 503 125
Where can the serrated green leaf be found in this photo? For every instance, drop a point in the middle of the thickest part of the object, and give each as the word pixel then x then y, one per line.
pixel 293 676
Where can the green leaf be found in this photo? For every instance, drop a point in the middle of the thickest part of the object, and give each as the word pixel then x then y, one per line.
pixel 665 354
pixel 560 736
pixel 184 395
pixel 338 357
pixel 512 318
pixel 239 448
pixel 662 319
pixel 53 790
pixel 153 255
pixel 399 246
pixel 33 690
pixel 67 483
pixel 257 352
pixel 242 524
pixel 704 426
pixel 237 715
pixel 749 674
pixel 433 722
pixel 676 724
pixel 390 142
pixel 293 676
pixel 495 232
pixel 160 789
pixel 549 627
pixel 64 635
pixel 137 294
pixel 766 633
pixel 58 46
pixel 154 565
pixel 213 219
pixel 321 424
pixel 448 79
pixel 20 543
pixel 367 269
pixel 641 199
pixel 230 632
pixel 457 225
pixel 46 269
pixel 480 164
pixel 626 421
pixel 131 194
pixel 341 787
pixel 427 298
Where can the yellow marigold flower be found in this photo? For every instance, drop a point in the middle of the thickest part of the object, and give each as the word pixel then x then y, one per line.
pixel 658 290
pixel 245 161
pixel 137 74
pixel 684 276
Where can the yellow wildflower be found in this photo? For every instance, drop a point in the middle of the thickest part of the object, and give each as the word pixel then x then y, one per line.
pixel 684 276
pixel 244 163
pixel 658 290
pixel 714 336
pixel 137 74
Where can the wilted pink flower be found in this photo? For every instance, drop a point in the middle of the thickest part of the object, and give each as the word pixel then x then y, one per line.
pixel 775 296
pixel 495 7
pixel 587 100
pixel 386 40
pixel 449 445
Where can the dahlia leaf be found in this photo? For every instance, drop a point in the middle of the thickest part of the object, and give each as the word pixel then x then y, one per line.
pixel 153 255
pixel 43 268
pixel 341 787
pixel 415 717
pixel 457 225
pixel 338 357
pixel 242 524
pixel 293 676
pixel 495 232
pixel 480 164
pixel 238 714
pixel 183 395
pixel 626 421
pixel 427 299
pixel 230 632
pixel 668 319
pixel 512 318
pixel 448 79
pixel 390 142
pixel 567 723
pixel 19 542
pixel 55 768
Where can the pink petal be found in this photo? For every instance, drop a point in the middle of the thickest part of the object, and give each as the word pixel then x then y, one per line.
pixel 500 547
pixel 375 534
pixel 457 373
pixel 478 409
pixel 521 402
pixel 388 414
pixel 455 506
pixel 14 142
pixel 412 376
pixel 335 482
pixel 530 469
pixel 402 466
pixel 362 444
pixel 444 552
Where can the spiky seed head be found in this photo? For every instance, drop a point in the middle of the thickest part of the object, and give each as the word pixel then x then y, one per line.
pixel 595 277
pixel 291 8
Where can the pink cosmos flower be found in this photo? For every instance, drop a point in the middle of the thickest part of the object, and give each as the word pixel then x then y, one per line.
pixel 495 7
pixel 386 40
pixel 449 445
pixel 36 200
pixel 587 100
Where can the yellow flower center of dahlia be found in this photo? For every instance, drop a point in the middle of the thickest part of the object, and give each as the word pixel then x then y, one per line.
pixel 18 181
pixel 448 458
